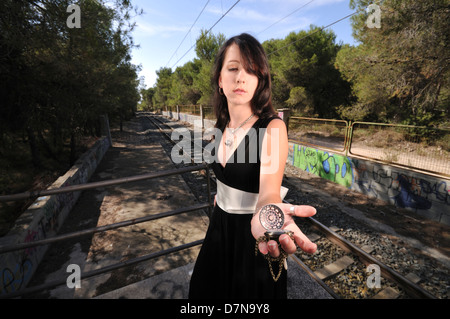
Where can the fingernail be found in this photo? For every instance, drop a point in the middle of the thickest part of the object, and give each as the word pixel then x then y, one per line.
pixel 272 245
pixel 263 249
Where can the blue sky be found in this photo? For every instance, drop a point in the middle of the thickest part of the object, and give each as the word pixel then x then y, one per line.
pixel 164 24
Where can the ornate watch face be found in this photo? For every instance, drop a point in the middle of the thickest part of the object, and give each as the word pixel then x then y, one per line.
pixel 271 217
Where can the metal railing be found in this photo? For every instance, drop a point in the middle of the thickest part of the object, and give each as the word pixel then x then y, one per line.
pixel 330 134
pixel 422 148
pixel 418 147
pixel 414 147
pixel 10 248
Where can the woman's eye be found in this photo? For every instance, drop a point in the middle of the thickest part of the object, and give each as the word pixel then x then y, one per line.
pixel 232 69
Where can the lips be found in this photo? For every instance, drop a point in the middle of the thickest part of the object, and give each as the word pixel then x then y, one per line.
pixel 239 91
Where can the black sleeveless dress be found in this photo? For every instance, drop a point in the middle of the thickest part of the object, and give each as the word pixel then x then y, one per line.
pixel 226 267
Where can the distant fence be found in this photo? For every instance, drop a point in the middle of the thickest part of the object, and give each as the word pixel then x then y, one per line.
pixel 418 147
pixel 191 113
pixel 389 162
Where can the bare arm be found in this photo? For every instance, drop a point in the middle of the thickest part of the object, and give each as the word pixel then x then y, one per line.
pixel 273 161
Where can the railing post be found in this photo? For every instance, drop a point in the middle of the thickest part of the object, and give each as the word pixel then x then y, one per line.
pixel 202 116
pixel 104 123
pixel 348 137
pixel 285 114
pixel 208 181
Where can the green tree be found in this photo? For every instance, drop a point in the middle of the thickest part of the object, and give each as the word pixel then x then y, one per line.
pixel 207 46
pixel 147 99
pixel 190 83
pixel 304 76
pixel 57 80
pixel 163 87
pixel 400 71
pixel 182 91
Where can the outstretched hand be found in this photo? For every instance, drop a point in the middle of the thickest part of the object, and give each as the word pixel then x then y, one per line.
pixel 271 247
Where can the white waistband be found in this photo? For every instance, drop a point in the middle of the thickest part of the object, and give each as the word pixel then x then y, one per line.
pixel 236 201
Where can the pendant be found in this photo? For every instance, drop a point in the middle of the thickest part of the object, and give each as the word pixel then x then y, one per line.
pixel 271 217
pixel 229 142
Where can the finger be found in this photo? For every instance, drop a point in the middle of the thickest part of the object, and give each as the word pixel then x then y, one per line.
pixel 287 244
pixel 274 251
pixel 305 244
pixel 299 210
pixel 263 248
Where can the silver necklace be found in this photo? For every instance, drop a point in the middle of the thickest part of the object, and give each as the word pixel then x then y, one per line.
pixel 231 139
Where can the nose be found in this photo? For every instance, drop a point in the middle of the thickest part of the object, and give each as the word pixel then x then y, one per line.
pixel 241 77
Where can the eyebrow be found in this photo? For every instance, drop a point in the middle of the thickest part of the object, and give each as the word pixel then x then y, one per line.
pixel 233 61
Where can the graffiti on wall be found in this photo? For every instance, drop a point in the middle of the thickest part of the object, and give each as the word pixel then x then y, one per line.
pixel 400 187
pixel 16 268
pixel 406 191
pixel 333 167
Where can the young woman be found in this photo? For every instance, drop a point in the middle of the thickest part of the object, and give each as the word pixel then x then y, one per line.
pixel 229 265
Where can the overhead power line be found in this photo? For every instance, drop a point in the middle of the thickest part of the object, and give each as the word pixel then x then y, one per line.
pixel 206 33
pixel 310 34
pixel 188 32
pixel 286 16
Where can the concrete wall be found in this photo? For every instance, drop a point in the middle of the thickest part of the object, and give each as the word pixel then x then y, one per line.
pixel 424 194
pixel 42 220
pixel 189 118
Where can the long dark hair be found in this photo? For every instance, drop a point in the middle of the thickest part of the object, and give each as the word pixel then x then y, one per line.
pixel 255 62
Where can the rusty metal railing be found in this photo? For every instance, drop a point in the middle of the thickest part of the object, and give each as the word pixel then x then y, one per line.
pixel 422 148
pixel 10 248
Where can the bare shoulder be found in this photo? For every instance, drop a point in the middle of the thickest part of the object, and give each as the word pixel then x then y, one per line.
pixel 277 123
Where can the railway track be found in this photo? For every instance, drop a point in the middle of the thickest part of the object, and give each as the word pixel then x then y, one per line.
pixel 367 277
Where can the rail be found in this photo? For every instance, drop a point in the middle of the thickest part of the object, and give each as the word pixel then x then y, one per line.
pixel 413 289
pixel 331 134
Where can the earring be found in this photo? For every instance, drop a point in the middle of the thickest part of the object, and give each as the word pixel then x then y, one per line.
pixel 220 91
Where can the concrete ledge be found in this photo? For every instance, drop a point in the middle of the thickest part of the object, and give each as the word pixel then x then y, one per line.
pixel 43 219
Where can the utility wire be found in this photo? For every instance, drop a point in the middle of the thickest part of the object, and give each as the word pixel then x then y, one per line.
pixel 188 32
pixel 286 16
pixel 318 30
pixel 204 35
